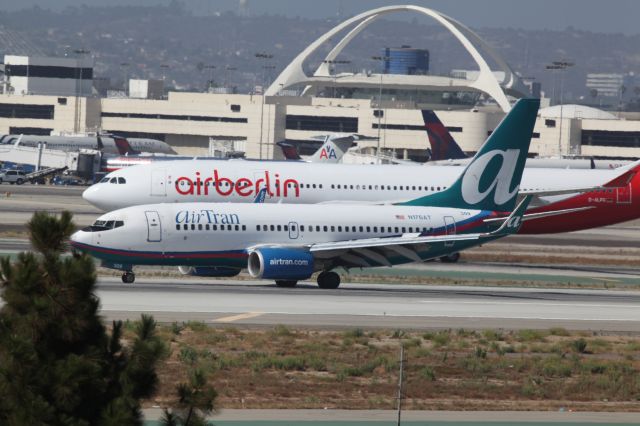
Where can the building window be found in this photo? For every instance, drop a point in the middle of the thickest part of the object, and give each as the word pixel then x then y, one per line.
pixel 550 123
pixel 235 108
pixel 324 123
pixel 44 112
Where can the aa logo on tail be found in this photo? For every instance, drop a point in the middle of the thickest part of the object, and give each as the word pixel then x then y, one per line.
pixel 328 153
pixel 471 192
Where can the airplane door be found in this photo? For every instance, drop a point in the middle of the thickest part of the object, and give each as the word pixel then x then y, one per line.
pixel 158 183
pixel 154 228
pixel 449 228
pixel 623 195
pixel 294 232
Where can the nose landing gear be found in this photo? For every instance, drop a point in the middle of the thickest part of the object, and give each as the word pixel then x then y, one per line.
pixel 128 277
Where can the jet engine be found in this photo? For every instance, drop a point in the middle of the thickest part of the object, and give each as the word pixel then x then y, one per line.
pixel 208 271
pixel 280 264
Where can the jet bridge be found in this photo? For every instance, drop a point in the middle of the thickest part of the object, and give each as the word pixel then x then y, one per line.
pixel 83 163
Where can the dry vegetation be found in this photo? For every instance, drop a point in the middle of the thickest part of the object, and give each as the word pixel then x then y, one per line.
pixel 449 369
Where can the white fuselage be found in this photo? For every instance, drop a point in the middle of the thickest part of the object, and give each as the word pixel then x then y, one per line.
pixel 76 143
pixel 302 183
pixel 221 234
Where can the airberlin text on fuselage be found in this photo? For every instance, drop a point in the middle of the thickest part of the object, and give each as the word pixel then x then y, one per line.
pixel 207 216
pixel 244 187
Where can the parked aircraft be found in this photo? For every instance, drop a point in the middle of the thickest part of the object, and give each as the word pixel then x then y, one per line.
pixel 289 242
pixel 333 148
pixel 445 151
pixel 106 144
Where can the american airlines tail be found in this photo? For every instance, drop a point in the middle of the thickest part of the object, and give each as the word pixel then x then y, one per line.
pixel 333 149
pixel 443 146
pixel 487 183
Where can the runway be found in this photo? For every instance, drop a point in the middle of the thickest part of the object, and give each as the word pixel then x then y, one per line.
pixel 227 302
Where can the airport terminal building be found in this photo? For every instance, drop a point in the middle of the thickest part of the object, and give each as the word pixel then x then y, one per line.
pixel 297 106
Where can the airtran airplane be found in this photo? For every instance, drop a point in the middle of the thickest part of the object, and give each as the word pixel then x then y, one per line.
pixel 289 242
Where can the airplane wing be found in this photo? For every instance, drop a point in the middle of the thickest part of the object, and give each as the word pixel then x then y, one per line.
pixel 369 252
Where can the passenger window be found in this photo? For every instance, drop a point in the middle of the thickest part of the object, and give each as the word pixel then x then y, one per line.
pixel 332 186
pixel 314 186
pixel 185 227
pixel 333 229
pixel 375 229
pixel 237 227
pixel 244 227
pixel 325 228
pixel 320 186
pixel 404 230
pixel 272 228
pixel 317 228
pixel 301 228
pixel 177 226
pixel 279 228
pixel 214 227
pixel 206 227
pixel 257 227
pixel 397 229
pixel 193 227
pixel 389 230
pixel 339 228
pixel 368 229
pixel 310 228
pixel 199 227
pixel 265 228
pixel 361 229
pixel 286 227
pixel 438 188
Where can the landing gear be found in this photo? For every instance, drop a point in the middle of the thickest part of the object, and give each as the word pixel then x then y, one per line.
pixel 286 283
pixel 128 277
pixel 450 258
pixel 328 280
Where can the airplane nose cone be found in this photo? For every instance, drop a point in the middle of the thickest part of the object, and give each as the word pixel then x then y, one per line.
pixel 91 195
pixel 79 238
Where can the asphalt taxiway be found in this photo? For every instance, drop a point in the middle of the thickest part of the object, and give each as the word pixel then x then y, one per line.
pixel 370 305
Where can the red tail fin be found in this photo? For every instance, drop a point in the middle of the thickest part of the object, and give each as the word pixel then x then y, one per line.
pixel 123 146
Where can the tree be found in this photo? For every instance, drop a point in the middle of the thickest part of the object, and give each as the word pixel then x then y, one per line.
pixel 195 402
pixel 58 363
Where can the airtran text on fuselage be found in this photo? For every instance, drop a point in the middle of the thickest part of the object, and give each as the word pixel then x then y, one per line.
pixel 244 186
pixel 207 217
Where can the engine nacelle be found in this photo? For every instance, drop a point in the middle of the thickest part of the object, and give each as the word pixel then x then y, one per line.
pixel 208 271
pixel 280 264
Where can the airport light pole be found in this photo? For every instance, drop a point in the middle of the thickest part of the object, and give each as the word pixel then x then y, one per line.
pixel 263 56
pixel 560 66
pixel 332 64
pixel 76 125
pixel 210 80
pixel 382 60
pixel 125 75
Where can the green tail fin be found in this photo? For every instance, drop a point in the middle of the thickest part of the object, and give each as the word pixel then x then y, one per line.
pixel 492 178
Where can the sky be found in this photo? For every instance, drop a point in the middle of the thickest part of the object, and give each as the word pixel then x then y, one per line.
pixel 607 16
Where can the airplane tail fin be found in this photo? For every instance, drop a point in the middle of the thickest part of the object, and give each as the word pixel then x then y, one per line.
pixel 443 146
pixel 333 148
pixel 123 146
pixel 492 179
pixel 289 151
pixel 261 196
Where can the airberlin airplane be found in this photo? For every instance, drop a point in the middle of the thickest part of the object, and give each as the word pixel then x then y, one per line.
pixel 290 242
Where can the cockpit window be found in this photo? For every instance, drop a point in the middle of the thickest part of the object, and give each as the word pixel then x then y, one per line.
pixel 103 180
pixel 114 180
pixel 121 180
pixel 104 225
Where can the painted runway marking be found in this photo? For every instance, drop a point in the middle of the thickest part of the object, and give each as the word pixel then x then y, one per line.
pixel 238 317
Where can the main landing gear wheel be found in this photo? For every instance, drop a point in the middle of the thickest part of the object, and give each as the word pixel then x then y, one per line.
pixel 286 283
pixel 128 277
pixel 450 258
pixel 328 280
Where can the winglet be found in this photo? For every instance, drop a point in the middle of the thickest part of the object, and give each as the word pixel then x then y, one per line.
pixel 513 223
pixel 624 179
pixel 261 196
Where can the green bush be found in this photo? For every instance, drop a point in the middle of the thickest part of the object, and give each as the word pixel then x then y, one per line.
pixel 579 345
pixel 428 373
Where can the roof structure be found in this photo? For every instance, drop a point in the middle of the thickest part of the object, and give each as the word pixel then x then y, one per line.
pixel 486 82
